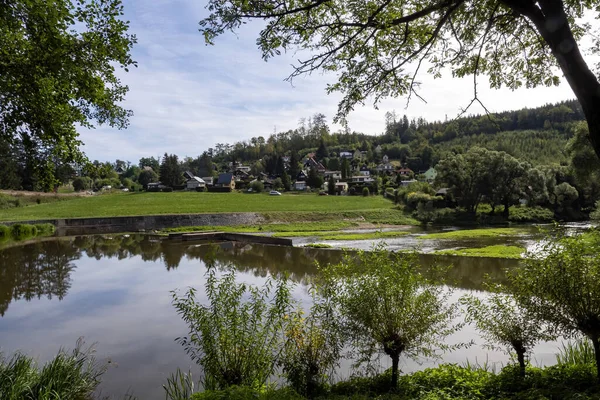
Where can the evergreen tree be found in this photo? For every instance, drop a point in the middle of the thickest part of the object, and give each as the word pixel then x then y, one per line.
pixel 286 181
pixel 322 151
pixel 170 171
pixel 294 165
pixel 314 180
pixel 331 186
pixel 345 169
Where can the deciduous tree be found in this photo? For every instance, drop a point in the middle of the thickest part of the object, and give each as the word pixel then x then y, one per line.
pixel 58 71
pixel 378 48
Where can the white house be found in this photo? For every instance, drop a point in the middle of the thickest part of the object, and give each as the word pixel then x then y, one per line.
pixel 364 171
pixel 195 182
pixel 209 180
pixel 345 154
pixel 336 175
pixel 300 185
pixel 362 179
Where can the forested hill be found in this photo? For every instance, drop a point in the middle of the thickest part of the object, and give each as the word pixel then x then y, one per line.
pixel 538 135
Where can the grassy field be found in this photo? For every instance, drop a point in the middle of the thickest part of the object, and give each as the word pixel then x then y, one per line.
pixel 129 204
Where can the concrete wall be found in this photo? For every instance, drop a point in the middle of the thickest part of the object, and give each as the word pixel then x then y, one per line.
pixel 85 226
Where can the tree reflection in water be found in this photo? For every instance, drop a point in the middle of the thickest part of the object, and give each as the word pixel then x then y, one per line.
pixel 43 268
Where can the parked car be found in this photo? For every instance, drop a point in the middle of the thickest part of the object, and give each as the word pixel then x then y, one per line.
pixel 274 193
pixel 322 193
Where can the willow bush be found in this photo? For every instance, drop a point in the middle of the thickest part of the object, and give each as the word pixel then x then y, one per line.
pixel 238 336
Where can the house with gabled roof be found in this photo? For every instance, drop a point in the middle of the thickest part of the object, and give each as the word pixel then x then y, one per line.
pixel 195 183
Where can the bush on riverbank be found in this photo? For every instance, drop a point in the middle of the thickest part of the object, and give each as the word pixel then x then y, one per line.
pixel 446 382
pixel 25 231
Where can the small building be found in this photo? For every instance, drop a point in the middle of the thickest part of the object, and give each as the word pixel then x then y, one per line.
pixel 364 170
pixel 208 180
pixel 195 183
pixel 405 171
pixel 300 185
pixel 407 182
pixel 341 187
pixel 225 181
pixel 362 179
pixel 346 154
pixel 336 175
pixel 430 175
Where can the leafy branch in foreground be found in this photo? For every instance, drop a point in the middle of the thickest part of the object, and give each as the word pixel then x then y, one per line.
pixel 384 305
pixel 237 338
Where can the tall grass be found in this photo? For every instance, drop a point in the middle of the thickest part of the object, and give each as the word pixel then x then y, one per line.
pixel 579 352
pixel 69 376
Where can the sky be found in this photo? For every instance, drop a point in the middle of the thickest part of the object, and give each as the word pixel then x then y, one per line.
pixel 187 96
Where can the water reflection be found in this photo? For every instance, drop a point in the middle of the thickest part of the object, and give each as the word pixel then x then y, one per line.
pixel 43 269
pixel 114 290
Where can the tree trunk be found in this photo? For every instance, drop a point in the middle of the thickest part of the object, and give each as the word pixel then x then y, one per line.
pixel 521 359
pixel 550 19
pixel 596 344
pixel 506 208
pixel 395 363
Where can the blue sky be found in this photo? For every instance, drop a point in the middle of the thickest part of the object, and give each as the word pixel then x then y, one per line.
pixel 187 96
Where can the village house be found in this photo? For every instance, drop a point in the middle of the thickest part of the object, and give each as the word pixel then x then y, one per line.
pixel 195 183
pixel 430 175
pixel 362 179
pixel 208 180
pixel 310 162
pixel 385 165
pixel 405 171
pixel 225 181
pixel 364 171
pixel 336 175
pixel 300 185
pixel 345 154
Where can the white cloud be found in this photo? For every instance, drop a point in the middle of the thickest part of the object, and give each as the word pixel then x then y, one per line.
pixel 187 96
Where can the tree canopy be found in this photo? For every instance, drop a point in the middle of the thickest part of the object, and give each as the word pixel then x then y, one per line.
pixel 58 64
pixel 377 48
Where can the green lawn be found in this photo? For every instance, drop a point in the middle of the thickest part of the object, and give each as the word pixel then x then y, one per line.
pixel 128 204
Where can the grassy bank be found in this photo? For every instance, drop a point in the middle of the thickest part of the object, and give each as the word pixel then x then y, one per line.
pixel 446 382
pixel 488 251
pixel 130 204
pixel 476 233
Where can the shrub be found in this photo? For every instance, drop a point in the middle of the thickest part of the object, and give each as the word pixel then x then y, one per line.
pixel 236 338
pixel 45 229
pixel 4 232
pixel 365 192
pixel 82 183
pixel 530 214
pixel 257 186
pixel 167 189
pixel 23 231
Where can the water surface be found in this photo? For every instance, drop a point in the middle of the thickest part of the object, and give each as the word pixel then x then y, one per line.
pixel 115 291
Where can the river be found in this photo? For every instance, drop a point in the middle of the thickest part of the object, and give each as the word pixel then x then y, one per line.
pixel 115 292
